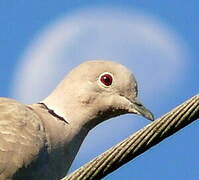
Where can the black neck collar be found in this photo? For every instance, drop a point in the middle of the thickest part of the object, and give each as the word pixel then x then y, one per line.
pixel 53 113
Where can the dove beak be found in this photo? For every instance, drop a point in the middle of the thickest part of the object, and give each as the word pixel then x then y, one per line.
pixel 138 108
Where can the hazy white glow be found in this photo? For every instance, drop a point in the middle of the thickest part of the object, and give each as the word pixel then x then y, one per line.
pixel 152 51
pixel 139 41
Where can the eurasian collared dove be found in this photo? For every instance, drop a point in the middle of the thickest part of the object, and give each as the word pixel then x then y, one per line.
pixel 40 141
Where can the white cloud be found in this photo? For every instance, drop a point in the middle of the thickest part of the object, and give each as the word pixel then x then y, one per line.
pixel 147 46
pixel 143 43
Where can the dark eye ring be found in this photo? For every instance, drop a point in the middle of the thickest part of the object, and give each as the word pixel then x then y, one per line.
pixel 106 79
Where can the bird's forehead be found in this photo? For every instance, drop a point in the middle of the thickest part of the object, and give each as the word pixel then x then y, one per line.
pixel 95 68
pixel 90 71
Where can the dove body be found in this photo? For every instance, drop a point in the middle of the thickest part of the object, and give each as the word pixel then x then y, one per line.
pixel 40 141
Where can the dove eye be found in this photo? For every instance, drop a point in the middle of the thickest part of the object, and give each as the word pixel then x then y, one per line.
pixel 106 79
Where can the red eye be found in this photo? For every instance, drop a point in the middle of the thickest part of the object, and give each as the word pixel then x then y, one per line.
pixel 106 79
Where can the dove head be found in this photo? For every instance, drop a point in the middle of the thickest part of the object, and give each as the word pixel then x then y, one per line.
pixel 95 91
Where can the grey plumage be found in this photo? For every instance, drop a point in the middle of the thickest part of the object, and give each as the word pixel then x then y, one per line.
pixel 40 141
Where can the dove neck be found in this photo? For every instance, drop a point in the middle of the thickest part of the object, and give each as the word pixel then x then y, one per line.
pixel 73 110
pixel 81 105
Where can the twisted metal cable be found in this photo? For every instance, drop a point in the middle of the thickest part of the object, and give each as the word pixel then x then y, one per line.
pixel 139 142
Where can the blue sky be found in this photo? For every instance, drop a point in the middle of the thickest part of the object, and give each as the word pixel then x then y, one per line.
pixel 157 40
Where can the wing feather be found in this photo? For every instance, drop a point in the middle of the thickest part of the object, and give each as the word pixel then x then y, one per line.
pixel 22 137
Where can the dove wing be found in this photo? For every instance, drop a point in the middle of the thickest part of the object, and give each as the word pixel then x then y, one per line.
pixel 22 139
